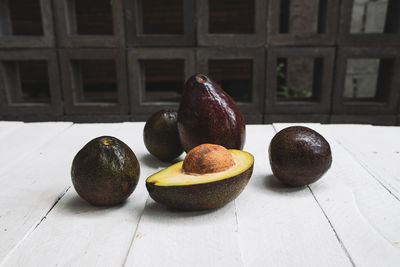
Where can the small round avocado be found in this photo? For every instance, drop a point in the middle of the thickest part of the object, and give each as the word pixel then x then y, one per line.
pixel 105 171
pixel 161 136
pixel 209 177
pixel 299 156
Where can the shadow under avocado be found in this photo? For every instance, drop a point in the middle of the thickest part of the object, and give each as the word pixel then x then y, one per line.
pixel 155 163
pixel 163 213
pixel 76 205
pixel 273 184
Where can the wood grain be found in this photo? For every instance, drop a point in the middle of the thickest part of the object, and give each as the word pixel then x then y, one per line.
pixel 25 140
pixel 280 226
pixel 76 233
pixel 28 187
pixel 349 217
pixel 364 215
pixel 7 127
pixel 375 148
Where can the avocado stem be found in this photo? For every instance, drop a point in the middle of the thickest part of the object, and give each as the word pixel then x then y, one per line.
pixel 201 79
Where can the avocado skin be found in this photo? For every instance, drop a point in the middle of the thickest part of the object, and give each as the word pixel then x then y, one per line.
pixel 207 114
pixel 105 175
pixel 199 197
pixel 299 156
pixel 161 136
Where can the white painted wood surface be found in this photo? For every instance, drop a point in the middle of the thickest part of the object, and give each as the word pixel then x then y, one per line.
pixel 28 191
pixel 351 216
pixel 365 216
pixel 280 226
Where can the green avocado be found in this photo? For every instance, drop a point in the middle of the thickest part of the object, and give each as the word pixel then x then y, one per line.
pixel 299 156
pixel 161 136
pixel 105 171
pixel 179 189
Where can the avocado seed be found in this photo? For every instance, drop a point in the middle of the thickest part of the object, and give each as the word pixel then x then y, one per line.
pixel 207 158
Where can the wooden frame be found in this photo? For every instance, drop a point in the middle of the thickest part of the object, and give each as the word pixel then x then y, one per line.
pixel 276 38
pixel 136 38
pixel 256 39
pixel 137 90
pixel 53 108
pixel 315 106
pixel 346 38
pixel 252 110
pixel 71 86
pixel 373 107
pixel 67 36
pixel 13 41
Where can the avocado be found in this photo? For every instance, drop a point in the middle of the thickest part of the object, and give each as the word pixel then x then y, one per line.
pixel 299 156
pixel 207 114
pixel 161 136
pixel 208 178
pixel 105 171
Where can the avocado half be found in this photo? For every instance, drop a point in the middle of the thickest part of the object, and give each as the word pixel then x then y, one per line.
pixel 181 190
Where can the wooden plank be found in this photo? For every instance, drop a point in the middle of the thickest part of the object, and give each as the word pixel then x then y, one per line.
pixel 168 237
pixel 80 234
pixel 376 148
pixel 185 238
pixel 28 192
pixel 26 140
pixel 6 127
pixel 280 226
pixel 363 213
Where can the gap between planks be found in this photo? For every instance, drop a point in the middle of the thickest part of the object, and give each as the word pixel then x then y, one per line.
pixel 17 126
pixel 366 167
pixel 40 220
pixel 325 215
pixel 43 233
pixel 34 227
pixel 370 226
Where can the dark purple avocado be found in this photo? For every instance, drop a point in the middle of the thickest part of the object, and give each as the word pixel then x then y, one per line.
pixel 207 114
pixel 299 156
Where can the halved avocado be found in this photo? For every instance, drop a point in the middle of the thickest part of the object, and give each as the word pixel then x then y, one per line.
pixel 180 189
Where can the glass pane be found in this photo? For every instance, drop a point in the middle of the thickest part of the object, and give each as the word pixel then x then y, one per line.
pixel 94 17
pixel 34 81
pixel 369 16
pixel 231 16
pixel 361 78
pixel 25 16
pixel 98 81
pixel 163 79
pixel 235 77
pixel 27 81
pixel 162 16
pixel 298 78
pixel 302 16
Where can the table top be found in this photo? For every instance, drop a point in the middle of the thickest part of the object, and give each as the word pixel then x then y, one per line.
pixel 351 216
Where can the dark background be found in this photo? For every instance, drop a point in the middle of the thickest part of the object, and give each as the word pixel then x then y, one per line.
pixel 326 61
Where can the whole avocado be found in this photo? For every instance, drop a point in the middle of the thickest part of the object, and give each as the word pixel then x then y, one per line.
pixel 105 171
pixel 299 156
pixel 161 136
pixel 207 114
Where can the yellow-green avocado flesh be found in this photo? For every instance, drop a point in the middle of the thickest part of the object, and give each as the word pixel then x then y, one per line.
pixel 180 190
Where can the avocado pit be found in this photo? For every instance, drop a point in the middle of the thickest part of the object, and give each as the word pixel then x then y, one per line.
pixel 207 158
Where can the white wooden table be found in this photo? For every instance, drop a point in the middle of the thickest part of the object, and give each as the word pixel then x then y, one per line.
pixel 349 217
